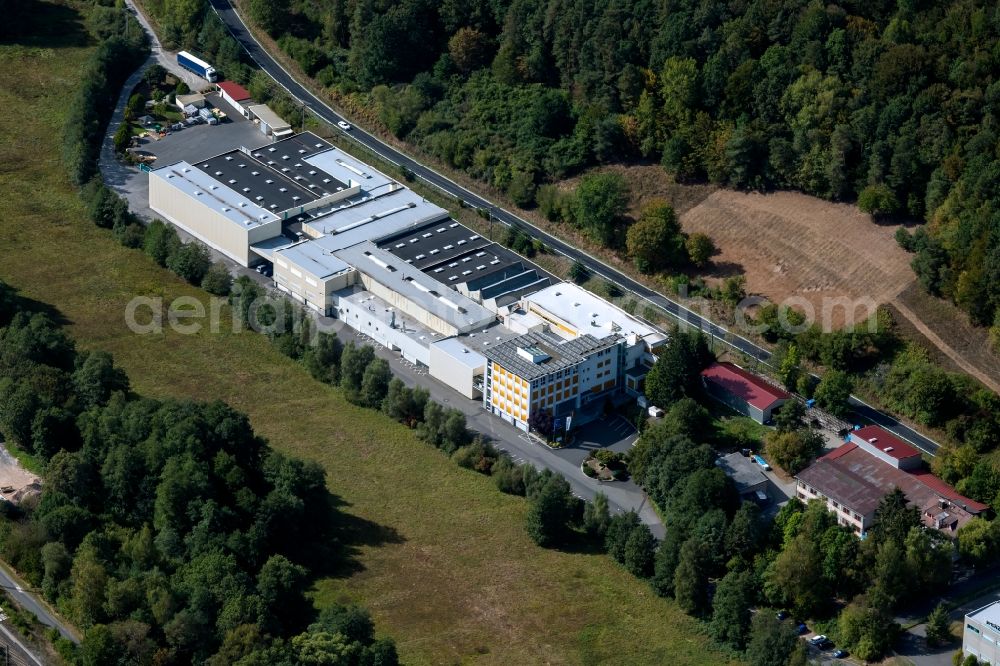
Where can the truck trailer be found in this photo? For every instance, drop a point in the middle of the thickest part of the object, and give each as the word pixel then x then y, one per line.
pixel 196 65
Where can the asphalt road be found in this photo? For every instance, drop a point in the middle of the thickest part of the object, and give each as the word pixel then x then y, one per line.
pixel 318 108
pixel 27 601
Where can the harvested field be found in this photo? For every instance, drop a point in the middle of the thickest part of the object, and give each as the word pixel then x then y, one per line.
pixel 803 251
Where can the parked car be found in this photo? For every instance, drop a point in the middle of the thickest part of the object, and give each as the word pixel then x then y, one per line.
pixel 816 640
pixel 782 615
pixel 177 126
pixel 839 654
pixel 762 463
pixel 344 125
pixel 801 629
pixel 825 645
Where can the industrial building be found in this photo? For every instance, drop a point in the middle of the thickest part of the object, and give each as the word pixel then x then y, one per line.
pixel 235 94
pixel 486 272
pixel 539 371
pixel 981 636
pixel 743 391
pixel 853 479
pixel 570 311
pixel 348 241
pixel 269 122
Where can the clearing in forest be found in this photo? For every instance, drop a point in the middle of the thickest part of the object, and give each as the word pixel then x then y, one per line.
pixel 801 250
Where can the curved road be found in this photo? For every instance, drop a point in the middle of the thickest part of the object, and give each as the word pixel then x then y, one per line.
pixel 317 107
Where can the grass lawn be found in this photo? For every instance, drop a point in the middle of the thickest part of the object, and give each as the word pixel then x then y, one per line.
pixel 442 558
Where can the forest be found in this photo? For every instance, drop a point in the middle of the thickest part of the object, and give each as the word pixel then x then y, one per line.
pixel 167 530
pixel 892 104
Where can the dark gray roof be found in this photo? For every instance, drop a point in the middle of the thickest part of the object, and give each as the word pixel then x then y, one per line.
pixel 744 472
pixel 275 176
pixel 840 483
pixel 561 354
pixel 454 254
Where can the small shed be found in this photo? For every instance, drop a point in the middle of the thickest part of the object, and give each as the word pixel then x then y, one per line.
pixel 196 100
pixel 146 121
pixel 746 475
pixel 270 122
pixel 744 391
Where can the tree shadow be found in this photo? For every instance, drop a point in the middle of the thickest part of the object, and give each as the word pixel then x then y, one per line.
pixel 351 533
pixel 32 307
pixel 723 269
pixel 39 24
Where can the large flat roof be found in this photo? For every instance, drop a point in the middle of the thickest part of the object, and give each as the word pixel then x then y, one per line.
pixel 463 353
pixel 988 613
pixel 229 203
pixel 275 176
pixel 365 217
pixel 558 354
pixel 347 169
pixel 456 255
pixel 386 313
pixel 416 286
pixel 587 312
pixel 311 256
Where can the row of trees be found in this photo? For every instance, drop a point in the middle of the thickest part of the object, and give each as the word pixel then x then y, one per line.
pixel 90 110
pixel 167 530
pixel 191 261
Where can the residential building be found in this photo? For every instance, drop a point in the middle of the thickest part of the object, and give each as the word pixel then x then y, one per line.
pixel 539 371
pixel 981 636
pixel 743 391
pixel 854 478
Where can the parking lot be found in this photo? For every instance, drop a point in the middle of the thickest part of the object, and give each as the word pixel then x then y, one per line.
pixel 201 141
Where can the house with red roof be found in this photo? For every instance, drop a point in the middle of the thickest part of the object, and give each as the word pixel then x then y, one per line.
pixel 235 94
pixel 854 478
pixel 744 391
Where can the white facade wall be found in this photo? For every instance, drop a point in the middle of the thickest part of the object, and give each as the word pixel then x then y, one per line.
pixel 452 372
pixel 846 516
pixel 207 224
pixel 981 636
pixel 597 371
pixel 307 288
pixel 236 105
pixel 409 308
pixel 371 324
